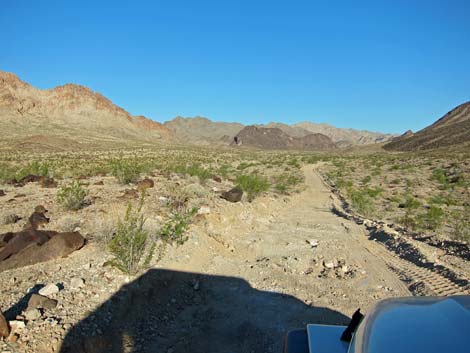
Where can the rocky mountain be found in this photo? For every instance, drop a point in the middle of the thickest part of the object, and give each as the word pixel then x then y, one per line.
pixel 202 131
pixel 70 112
pixel 344 137
pixel 276 139
pixel 450 130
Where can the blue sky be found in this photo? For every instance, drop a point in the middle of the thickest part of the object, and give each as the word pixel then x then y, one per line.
pixel 377 65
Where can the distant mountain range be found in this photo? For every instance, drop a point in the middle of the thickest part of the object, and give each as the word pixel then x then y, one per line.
pixel 199 130
pixel 451 130
pixel 74 115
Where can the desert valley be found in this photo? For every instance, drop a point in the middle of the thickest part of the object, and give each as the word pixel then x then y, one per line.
pixel 122 234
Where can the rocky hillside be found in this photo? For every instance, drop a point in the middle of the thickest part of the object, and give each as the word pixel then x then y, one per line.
pixel 202 131
pixel 276 139
pixel 344 137
pixel 451 130
pixel 70 112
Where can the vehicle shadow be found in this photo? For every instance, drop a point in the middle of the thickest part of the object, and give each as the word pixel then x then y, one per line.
pixel 171 311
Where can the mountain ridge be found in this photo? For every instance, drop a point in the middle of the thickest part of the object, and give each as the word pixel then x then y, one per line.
pixel 452 129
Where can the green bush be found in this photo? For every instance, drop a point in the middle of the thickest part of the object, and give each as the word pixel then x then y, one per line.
pixel 461 224
pixel 202 173
pixel 432 219
pixel 71 196
pixel 252 184
pixel 440 176
pixel 175 228
pixel 361 201
pixel 130 242
pixel 125 170
pixel 285 182
pixel 35 168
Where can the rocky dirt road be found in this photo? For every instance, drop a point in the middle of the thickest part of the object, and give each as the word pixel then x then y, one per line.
pixel 248 273
pixel 242 289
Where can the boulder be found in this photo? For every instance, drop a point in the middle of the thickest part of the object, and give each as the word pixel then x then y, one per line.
pixel 58 245
pixel 48 182
pixel 4 328
pixel 39 301
pixel 2 193
pixel 145 184
pixel 233 195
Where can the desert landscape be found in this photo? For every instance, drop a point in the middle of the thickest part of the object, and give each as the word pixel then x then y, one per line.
pixel 121 234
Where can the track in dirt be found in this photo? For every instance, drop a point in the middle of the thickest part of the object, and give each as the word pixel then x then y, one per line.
pixel 271 280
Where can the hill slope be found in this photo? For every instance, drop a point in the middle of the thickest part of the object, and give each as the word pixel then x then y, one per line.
pixel 69 112
pixel 450 130
pixel 276 139
pixel 202 131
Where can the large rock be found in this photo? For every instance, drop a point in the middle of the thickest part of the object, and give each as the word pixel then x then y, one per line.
pixel 38 301
pixel 4 329
pixel 233 195
pixel 58 245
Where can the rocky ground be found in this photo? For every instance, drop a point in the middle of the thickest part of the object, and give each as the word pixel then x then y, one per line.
pixel 247 273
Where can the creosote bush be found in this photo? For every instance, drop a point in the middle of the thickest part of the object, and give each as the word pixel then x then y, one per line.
pixel 175 228
pixel 125 170
pixel 252 184
pixel 71 196
pixel 130 242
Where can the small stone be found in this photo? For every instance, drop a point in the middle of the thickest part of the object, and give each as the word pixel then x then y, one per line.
pixel 77 282
pixel 32 314
pixel 344 268
pixel 17 325
pixel 329 265
pixel 39 301
pixel 4 329
pixel 233 195
pixel 50 289
pixel 313 243
pixel 204 210
pixel 308 271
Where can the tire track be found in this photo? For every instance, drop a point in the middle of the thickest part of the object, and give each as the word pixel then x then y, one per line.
pixel 414 275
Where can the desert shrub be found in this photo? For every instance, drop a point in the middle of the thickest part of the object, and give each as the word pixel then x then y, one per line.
pixel 294 163
pixel 6 172
pixel 361 201
pixel 175 228
pixel 440 176
pixel 373 192
pixel 432 219
pixel 366 180
pixel 411 202
pixel 252 184
pixel 461 224
pixel 130 242
pixel 395 181
pixel 285 182
pixel 125 170
pixel 35 168
pixel 224 170
pixel 71 196
pixel 202 173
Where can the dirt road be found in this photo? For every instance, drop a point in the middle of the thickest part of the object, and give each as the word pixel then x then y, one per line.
pixel 240 285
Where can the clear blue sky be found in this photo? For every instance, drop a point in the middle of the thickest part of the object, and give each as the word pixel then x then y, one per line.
pixel 378 65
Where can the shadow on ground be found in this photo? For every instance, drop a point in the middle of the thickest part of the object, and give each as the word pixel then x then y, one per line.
pixel 169 311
